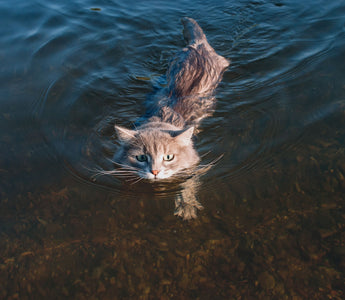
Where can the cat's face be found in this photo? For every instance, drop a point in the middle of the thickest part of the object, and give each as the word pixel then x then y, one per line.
pixel 154 153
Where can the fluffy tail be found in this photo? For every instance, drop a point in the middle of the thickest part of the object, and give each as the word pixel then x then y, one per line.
pixel 192 32
pixel 195 36
pixel 193 75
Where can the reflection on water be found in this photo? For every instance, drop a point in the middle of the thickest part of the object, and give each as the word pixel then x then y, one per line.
pixel 273 219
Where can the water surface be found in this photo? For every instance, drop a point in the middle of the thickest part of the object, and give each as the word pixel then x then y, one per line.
pixel 273 219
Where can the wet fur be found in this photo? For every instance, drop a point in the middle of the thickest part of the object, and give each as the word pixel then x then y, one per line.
pixel 192 77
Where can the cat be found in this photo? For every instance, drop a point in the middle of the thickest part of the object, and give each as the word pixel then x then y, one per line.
pixel 162 147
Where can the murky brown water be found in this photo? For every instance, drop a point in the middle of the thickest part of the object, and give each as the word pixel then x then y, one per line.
pixel 273 223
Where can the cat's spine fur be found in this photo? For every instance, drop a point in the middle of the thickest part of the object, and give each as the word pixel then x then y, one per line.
pixel 193 75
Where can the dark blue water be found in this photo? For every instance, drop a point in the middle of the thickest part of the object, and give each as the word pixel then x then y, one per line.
pixel 273 221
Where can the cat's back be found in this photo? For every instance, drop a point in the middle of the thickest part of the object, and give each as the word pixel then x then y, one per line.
pixel 197 69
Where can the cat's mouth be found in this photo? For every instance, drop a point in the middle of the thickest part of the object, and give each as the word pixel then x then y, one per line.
pixel 156 175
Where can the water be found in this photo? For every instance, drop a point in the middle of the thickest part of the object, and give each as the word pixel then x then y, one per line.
pixel 273 219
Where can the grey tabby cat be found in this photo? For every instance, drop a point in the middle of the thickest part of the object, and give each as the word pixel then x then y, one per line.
pixel 162 147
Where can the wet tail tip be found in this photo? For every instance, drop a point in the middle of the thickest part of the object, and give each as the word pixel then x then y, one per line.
pixel 192 32
pixel 186 20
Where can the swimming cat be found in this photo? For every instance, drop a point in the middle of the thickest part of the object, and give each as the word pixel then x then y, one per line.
pixel 162 147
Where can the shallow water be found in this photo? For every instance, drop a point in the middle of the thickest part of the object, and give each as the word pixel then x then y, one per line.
pixel 273 219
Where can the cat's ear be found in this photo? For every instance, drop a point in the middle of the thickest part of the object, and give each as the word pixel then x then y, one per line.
pixel 184 137
pixel 124 134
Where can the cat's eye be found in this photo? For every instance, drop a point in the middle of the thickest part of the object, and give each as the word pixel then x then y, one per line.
pixel 141 158
pixel 168 157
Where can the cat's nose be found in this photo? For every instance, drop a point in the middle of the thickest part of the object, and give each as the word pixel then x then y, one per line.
pixel 155 172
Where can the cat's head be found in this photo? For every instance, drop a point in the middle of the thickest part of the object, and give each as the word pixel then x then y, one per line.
pixel 155 153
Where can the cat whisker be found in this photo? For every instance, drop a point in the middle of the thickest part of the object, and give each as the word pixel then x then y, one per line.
pixel 116 163
pixel 92 170
pixel 135 180
pixel 123 165
pixel 205 154
pixel 183 174
pixel 201 169
pixel 213 162
pixel 97 173
pixel 197 170
pixel 127 170
pixel 121 171
pixel 117 173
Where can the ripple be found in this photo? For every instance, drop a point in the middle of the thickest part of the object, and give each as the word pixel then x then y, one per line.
pixel 82 139
pixel 262 112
